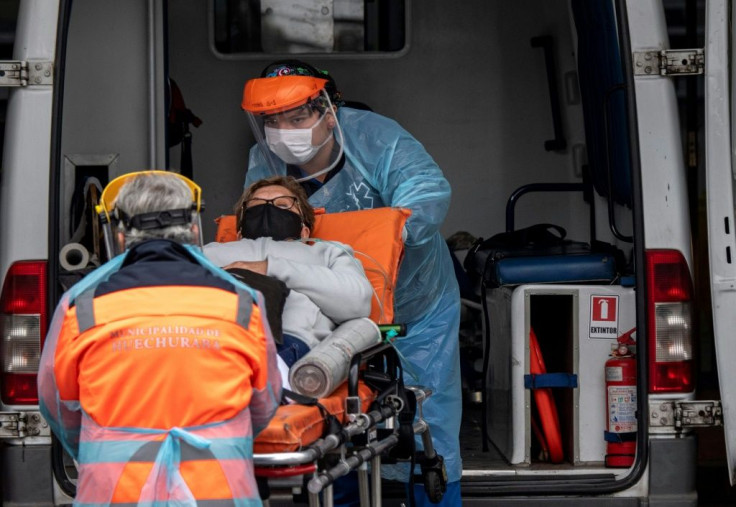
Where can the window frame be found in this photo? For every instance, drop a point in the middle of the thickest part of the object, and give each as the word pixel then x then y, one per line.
pixel 346 55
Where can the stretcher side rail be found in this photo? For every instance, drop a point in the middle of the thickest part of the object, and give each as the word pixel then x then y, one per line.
pixel 375 449
pixel 321 447
pixel 363 455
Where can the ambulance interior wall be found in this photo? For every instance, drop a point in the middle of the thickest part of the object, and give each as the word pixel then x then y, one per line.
pixel 469 86
pixel 106 86
pixel 107 107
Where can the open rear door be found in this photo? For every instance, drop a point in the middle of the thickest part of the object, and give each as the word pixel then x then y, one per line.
pixel 720 177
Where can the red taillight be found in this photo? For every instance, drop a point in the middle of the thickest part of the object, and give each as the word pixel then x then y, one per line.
pixel 22 328
pixel 669 309
pixel 20 389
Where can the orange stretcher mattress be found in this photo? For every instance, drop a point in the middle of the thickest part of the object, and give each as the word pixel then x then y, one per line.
pixel 296 426
pixel 374 234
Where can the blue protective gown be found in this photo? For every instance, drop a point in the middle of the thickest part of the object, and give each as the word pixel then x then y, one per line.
pixel 386 166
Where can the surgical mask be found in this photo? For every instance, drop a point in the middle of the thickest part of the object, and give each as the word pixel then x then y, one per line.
pixel 294 146
pixel 334 162
pixel 267 220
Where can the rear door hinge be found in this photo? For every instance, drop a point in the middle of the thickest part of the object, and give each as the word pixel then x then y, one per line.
pixel 670 62
pixel 22 424
pixel 681 415
pixel 17 73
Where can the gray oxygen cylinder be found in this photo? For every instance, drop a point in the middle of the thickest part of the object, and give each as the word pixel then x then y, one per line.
pixel 326 366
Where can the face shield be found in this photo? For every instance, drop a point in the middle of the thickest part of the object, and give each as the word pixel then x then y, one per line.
pixel 110 217
pixel 285 114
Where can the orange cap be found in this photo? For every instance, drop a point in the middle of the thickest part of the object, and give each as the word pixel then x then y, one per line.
pixel 281 93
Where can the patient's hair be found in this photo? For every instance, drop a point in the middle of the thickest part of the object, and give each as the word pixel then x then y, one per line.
pixel 147 193
pixel 289 183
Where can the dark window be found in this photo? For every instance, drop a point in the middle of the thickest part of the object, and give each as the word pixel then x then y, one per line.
pixel 309 26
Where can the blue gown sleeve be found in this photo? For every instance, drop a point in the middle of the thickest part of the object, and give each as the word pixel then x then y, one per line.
pixel 411 179
pixel 64 416
pixel 400 169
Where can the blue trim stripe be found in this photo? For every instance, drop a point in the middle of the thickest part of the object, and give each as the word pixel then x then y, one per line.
pixel 121 451
pixel 109 451
pixel 235 502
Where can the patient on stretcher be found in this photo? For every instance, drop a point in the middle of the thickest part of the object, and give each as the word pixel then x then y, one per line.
pixel 310 287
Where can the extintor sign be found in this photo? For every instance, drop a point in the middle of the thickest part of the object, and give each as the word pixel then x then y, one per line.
pixel 603 316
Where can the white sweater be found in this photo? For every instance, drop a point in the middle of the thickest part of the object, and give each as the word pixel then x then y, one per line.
pixel 328 284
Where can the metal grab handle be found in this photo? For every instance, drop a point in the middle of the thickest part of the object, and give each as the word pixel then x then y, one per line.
pixel 547 44
pixel 609 171
pixel 545 187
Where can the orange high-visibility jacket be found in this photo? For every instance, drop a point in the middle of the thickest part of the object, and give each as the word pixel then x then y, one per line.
pixel 157 371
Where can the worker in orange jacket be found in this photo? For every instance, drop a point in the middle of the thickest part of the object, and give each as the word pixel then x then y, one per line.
pixel 159 369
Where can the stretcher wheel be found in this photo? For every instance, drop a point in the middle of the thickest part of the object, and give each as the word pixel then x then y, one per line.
pixel 434 476
pixel 433 486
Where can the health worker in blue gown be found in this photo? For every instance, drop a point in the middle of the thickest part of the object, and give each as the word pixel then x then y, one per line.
pixel 352 159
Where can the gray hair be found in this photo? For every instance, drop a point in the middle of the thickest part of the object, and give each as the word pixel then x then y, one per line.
pixel 148 193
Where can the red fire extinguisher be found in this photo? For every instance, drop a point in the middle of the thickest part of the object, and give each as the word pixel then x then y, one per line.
pixel 620 432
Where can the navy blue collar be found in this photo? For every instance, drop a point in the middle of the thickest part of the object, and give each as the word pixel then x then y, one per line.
pixel 156 250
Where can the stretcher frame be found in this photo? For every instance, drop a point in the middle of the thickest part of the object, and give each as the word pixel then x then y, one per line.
pixel 355 444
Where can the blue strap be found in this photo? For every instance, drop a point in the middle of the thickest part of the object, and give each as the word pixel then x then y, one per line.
pixel 169 459
pixel 170 453
pixel 617 438
pixel 544 380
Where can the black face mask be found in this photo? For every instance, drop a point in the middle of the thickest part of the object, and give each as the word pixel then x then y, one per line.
pixel 266 220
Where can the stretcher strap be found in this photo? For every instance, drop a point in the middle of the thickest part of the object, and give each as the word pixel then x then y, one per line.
pixel 332 426
pixel 406 447
pixel 394 383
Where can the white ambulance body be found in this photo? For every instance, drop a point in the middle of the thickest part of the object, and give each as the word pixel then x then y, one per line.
pixel 505 96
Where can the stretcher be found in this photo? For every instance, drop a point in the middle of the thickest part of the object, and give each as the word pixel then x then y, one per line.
pixel 372 417
pixel 305 448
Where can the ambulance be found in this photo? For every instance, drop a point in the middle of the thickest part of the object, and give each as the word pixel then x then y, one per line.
pixel 586 217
